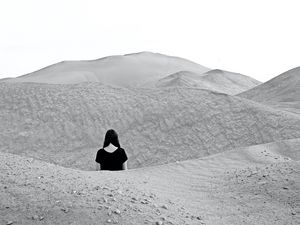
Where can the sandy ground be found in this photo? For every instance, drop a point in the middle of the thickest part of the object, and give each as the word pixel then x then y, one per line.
pixel 254 185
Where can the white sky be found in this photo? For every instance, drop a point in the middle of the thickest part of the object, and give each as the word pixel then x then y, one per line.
pixel 259 38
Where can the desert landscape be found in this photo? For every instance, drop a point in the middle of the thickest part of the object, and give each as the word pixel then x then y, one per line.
pixel 205 146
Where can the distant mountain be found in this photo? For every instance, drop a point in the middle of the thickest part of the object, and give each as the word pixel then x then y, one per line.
pixel 128 70
pixel 214 80
pixel 282 91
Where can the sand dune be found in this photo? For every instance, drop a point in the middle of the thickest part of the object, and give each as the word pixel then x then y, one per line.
pixel 128 70
pixel 255 185
pixel 65 124
pixel 229 81
pixel 214 80
pixel 282 91
pixel 180 79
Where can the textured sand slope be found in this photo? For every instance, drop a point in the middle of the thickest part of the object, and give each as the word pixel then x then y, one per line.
pixel 66 124
pixel 128 70
pixel 214 80
pixel 282 91
pixel 255 185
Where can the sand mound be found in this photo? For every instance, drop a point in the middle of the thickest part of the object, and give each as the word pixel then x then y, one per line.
pixel 214 80
pixel 128 70
pixel 282 91
pixel 180 79
pixel 230 82
pixel 283 88
pixel 66 124
pixel 243 186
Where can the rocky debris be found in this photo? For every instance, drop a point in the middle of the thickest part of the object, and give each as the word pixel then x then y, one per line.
pixel 9 222
pixel 145 201
pixel 159 223
pixel 152 195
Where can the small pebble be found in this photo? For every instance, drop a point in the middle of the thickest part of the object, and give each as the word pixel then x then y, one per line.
pixel 35 217
pixel 65 210
pixel 164 207
pixel 9 222
pixel 199 218
pixel 109 221
pixel 117 211
pixel 159 223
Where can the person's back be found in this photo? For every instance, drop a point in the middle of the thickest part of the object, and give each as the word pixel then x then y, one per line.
pixel 111 156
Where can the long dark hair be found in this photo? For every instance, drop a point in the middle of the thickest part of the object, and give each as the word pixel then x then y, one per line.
pixel 111 136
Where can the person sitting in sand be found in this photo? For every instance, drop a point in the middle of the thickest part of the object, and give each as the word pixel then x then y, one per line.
pixel 111 156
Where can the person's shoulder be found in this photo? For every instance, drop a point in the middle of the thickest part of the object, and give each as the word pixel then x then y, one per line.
pixel 121 149
pixel 100 150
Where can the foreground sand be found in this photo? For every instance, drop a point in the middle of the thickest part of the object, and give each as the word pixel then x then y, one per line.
pixel 254 185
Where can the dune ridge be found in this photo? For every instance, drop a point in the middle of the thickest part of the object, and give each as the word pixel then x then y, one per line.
pixel 214 80
pixel 283 91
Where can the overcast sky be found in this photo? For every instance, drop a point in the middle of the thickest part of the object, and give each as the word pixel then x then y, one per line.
pixel 259 38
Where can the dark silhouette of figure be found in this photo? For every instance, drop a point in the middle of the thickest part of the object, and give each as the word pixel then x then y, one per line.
pixel 111 156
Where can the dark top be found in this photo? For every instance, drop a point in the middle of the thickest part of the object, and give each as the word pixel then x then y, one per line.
pixel 111 160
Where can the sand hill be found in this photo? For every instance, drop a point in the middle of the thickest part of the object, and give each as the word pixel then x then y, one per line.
pixel 214 80
pixel 282 91
pixel 128 70
pixel 66 124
